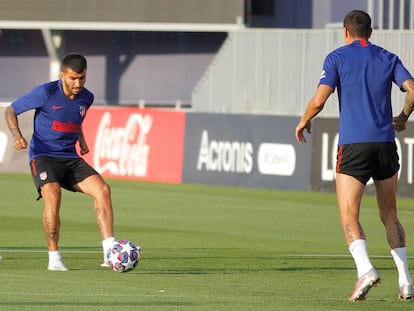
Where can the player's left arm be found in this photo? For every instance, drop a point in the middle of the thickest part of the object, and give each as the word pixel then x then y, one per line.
pixel 314 106
pixel 84 149
pixel 400 122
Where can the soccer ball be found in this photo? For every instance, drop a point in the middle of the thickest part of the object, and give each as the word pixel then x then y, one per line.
pixel 123 256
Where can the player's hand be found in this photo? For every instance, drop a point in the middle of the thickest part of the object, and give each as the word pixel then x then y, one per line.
pixel 20 143
pixel 300 137
pixel 84 150
pixel 398 124
pixel 83 146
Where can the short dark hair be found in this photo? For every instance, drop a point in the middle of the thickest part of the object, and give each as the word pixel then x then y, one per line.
pixel 75 62
pixel 358 23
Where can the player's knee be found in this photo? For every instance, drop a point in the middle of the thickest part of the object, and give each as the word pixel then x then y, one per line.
pixel 51 192
pixel 105 191
pixel 389 219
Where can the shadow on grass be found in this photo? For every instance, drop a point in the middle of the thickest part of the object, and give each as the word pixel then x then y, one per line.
pixel 239 265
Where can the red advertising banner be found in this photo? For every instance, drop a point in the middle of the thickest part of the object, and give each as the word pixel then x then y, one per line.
pixel 134 143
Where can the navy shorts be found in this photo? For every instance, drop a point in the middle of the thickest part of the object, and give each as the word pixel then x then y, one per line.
pixel 378 160
pixel 66 171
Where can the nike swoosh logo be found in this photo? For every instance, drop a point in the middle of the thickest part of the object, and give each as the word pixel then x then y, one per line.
pixel 55 107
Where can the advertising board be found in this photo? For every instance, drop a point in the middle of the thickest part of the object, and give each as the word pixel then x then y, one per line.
pixel 133 143
pixel 324 151
pixel 246 151
pixel 11 160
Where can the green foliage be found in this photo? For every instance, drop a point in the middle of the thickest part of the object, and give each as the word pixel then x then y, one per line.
pixel 204 248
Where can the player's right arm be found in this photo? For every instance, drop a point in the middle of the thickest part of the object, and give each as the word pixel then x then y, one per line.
pixel 13 125
pixel 314 106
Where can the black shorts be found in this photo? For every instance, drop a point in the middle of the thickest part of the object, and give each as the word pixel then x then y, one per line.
pixel 366 160
pixel 66 171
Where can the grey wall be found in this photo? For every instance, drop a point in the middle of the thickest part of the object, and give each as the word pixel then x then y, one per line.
pixel 138 11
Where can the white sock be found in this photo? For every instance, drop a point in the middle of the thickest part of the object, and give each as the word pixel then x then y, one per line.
pixel 106 244
pixel 400 259
pixel 54 256
pixel 359 252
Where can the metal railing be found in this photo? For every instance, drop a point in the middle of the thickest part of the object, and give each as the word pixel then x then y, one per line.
pixel 392 14
pixel 277 71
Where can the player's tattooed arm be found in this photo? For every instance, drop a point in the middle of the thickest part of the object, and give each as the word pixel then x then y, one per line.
pixel 400 121
pixel 13 125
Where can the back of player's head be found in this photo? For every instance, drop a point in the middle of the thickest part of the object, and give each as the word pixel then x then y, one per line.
pixel 358 23
pixel 75 62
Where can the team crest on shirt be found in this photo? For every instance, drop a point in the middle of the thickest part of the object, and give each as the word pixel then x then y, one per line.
pixel 43 175
pixel 82 111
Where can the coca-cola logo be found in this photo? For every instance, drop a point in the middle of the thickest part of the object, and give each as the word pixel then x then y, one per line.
pixel 123 151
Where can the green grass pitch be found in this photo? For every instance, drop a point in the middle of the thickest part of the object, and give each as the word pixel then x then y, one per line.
pixel 204 248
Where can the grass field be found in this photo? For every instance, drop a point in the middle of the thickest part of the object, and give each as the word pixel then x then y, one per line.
pixel 204 248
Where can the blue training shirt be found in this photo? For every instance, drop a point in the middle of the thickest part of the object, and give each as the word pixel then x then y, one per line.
pixel 363 74
pixel 57 119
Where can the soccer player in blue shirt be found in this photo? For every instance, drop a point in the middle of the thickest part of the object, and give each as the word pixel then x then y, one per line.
pixel 60 107
pixel 363 74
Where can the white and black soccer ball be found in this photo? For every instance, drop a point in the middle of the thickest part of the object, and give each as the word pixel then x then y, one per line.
pixel 123 256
